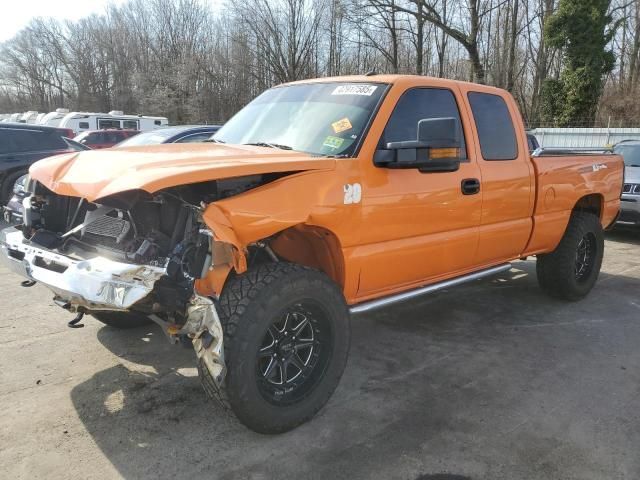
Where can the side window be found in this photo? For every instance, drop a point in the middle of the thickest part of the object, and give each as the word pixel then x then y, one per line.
pixel 194 138
pixel 106 123
pixel 26 141
pixel 5 142
pixel 495 127
pixel 52 141
pixel 83 125
pixel 415 105
pixel 96 138
pixel 130 124
pixel 34 141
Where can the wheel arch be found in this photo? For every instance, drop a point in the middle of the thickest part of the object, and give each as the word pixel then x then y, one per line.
pixel 550 227
pixel 308 245
pixel 314 247
pixel 592 203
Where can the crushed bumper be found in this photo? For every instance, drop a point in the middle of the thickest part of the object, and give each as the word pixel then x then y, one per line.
pixel 96 284
pixel 103 284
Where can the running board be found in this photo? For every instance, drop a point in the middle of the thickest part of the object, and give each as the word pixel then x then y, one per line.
pixel 401 297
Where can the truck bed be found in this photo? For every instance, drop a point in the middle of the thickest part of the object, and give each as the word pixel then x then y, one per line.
pixel 563 178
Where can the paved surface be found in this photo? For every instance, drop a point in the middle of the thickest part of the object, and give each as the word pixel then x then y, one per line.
pixel 488 381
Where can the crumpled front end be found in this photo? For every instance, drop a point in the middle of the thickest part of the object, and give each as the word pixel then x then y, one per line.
pixel 93 284
pixel 136 253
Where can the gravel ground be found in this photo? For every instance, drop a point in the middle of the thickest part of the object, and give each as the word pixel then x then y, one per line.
pixel 492 380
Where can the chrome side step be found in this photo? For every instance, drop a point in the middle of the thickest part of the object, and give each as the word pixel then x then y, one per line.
pixel 401 297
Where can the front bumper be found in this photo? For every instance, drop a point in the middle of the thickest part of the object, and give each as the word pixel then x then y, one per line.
pixel 95 284
pixel 629 210
pixel 102 284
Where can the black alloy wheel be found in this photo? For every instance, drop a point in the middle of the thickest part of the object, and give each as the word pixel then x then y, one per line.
pixel 294 353
pixel 585 256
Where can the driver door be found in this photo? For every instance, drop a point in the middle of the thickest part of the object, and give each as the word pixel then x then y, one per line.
pixel 418 227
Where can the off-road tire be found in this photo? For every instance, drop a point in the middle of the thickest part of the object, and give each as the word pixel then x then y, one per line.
pixel 6 190
pixel 556 271
pixel 122 320
pixel 247 308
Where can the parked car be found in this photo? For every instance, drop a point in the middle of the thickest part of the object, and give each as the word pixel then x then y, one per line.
pixel 179 134
pixel 320 199
pixel 630 200
pixel 104 138
pixel 13 209
pixel 21 145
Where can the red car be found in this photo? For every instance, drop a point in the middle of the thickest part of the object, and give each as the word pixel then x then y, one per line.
pixel 104 138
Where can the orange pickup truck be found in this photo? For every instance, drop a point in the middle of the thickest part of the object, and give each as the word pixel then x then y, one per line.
pixel 318 200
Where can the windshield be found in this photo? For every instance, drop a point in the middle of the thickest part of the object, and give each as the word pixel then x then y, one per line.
pixel 630 153
pixel 316 118
pixel 153 137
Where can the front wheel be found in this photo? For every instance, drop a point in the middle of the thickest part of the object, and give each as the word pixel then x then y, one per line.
pixel 571 270
pixel 287 338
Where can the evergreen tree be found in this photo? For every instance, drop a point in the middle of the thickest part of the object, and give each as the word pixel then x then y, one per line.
pixel 582 29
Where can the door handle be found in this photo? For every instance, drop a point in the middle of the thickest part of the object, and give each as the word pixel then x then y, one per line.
pixel 470 186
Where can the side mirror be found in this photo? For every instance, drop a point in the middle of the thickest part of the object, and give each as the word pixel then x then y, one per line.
pixel 435 149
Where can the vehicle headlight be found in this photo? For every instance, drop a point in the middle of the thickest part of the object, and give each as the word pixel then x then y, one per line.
pixel 19 186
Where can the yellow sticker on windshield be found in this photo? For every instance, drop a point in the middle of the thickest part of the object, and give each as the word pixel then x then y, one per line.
pixel 342 125
pixel 333 142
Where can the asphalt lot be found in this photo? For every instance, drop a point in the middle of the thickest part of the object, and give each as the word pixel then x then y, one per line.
pixel 492 380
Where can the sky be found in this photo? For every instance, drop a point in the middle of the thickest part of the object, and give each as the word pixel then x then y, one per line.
pixel 16 14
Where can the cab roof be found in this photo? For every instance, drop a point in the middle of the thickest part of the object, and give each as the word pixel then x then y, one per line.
pixel 394 79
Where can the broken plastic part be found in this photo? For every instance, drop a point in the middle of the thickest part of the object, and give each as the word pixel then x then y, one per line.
pixel 203 321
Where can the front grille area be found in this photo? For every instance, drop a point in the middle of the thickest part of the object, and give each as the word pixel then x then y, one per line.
pixel 107 226
pixel 631 188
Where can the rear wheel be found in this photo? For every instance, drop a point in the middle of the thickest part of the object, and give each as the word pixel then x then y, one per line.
pixel 122 320
pixel 571 270
pixel 287 338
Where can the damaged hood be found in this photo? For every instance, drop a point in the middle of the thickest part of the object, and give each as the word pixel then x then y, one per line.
pixel 100 173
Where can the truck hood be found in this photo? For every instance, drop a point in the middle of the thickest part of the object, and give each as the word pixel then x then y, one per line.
pixel 100 173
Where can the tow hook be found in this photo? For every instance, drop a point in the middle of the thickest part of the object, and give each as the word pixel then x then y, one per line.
pixel 28 283
pixel 75 323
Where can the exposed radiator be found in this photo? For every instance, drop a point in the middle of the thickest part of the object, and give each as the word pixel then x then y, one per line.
pixel 106 226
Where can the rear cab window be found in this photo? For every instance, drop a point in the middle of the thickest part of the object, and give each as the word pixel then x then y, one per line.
pixel 494 124
pixel 418 104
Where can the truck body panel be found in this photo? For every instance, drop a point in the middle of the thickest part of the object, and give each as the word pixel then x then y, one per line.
pixel 419 223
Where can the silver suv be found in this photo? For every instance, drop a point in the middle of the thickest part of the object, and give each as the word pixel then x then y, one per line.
pixel 630 204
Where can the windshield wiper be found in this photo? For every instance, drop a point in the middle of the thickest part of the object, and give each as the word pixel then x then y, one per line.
pixel 213 140
pixel 270 145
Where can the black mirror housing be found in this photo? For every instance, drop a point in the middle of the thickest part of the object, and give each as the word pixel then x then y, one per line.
pixel 432 133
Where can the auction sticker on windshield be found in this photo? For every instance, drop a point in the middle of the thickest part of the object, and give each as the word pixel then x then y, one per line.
pixel 355 89
pixel 341 125
pixel 333 142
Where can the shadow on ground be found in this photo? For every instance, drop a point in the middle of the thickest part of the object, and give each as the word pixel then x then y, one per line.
pixel 490 380
pixel 624 235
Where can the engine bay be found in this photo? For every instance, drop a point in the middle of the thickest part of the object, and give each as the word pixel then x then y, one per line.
pixel 164 230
